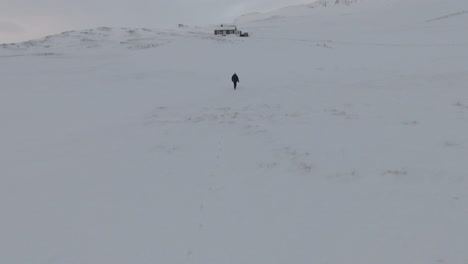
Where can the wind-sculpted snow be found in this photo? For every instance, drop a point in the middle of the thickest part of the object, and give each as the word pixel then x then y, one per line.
pixel 328 3
pixel 449 16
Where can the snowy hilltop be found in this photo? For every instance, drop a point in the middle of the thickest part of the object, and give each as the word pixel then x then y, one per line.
pixel 294 10
pixel 345 141
pixel 326 3
pixel 107 38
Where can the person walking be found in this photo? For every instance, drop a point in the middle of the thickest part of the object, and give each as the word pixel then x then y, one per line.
pixel 235 80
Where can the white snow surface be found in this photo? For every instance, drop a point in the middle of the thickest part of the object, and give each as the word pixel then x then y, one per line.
pixel 345 142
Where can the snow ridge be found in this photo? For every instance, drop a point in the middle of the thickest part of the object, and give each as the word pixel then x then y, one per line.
pixel 327 3
pixel 106 37
pixel 292 10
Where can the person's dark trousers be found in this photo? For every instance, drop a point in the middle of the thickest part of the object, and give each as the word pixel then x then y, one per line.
pixel 235 85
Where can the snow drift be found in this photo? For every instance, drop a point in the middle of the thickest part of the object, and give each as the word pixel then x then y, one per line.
pixel 345 141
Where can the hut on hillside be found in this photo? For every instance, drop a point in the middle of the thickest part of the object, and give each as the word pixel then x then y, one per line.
pixel 224 30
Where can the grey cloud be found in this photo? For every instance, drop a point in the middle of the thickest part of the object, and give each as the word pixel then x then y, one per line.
pixel 10 27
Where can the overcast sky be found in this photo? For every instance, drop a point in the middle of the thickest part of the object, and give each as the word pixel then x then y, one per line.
pixel 27 19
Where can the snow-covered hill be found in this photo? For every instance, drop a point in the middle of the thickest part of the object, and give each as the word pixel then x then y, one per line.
pixel 108 38
pixel 293 10
pixel 346 141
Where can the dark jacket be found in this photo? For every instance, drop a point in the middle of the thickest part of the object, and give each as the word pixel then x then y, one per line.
pixel 234 78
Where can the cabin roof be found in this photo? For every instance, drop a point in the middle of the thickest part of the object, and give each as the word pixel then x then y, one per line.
pixel 226 27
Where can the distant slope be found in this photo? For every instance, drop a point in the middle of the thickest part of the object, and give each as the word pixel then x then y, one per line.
pixel 292 10
pixel 326 3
